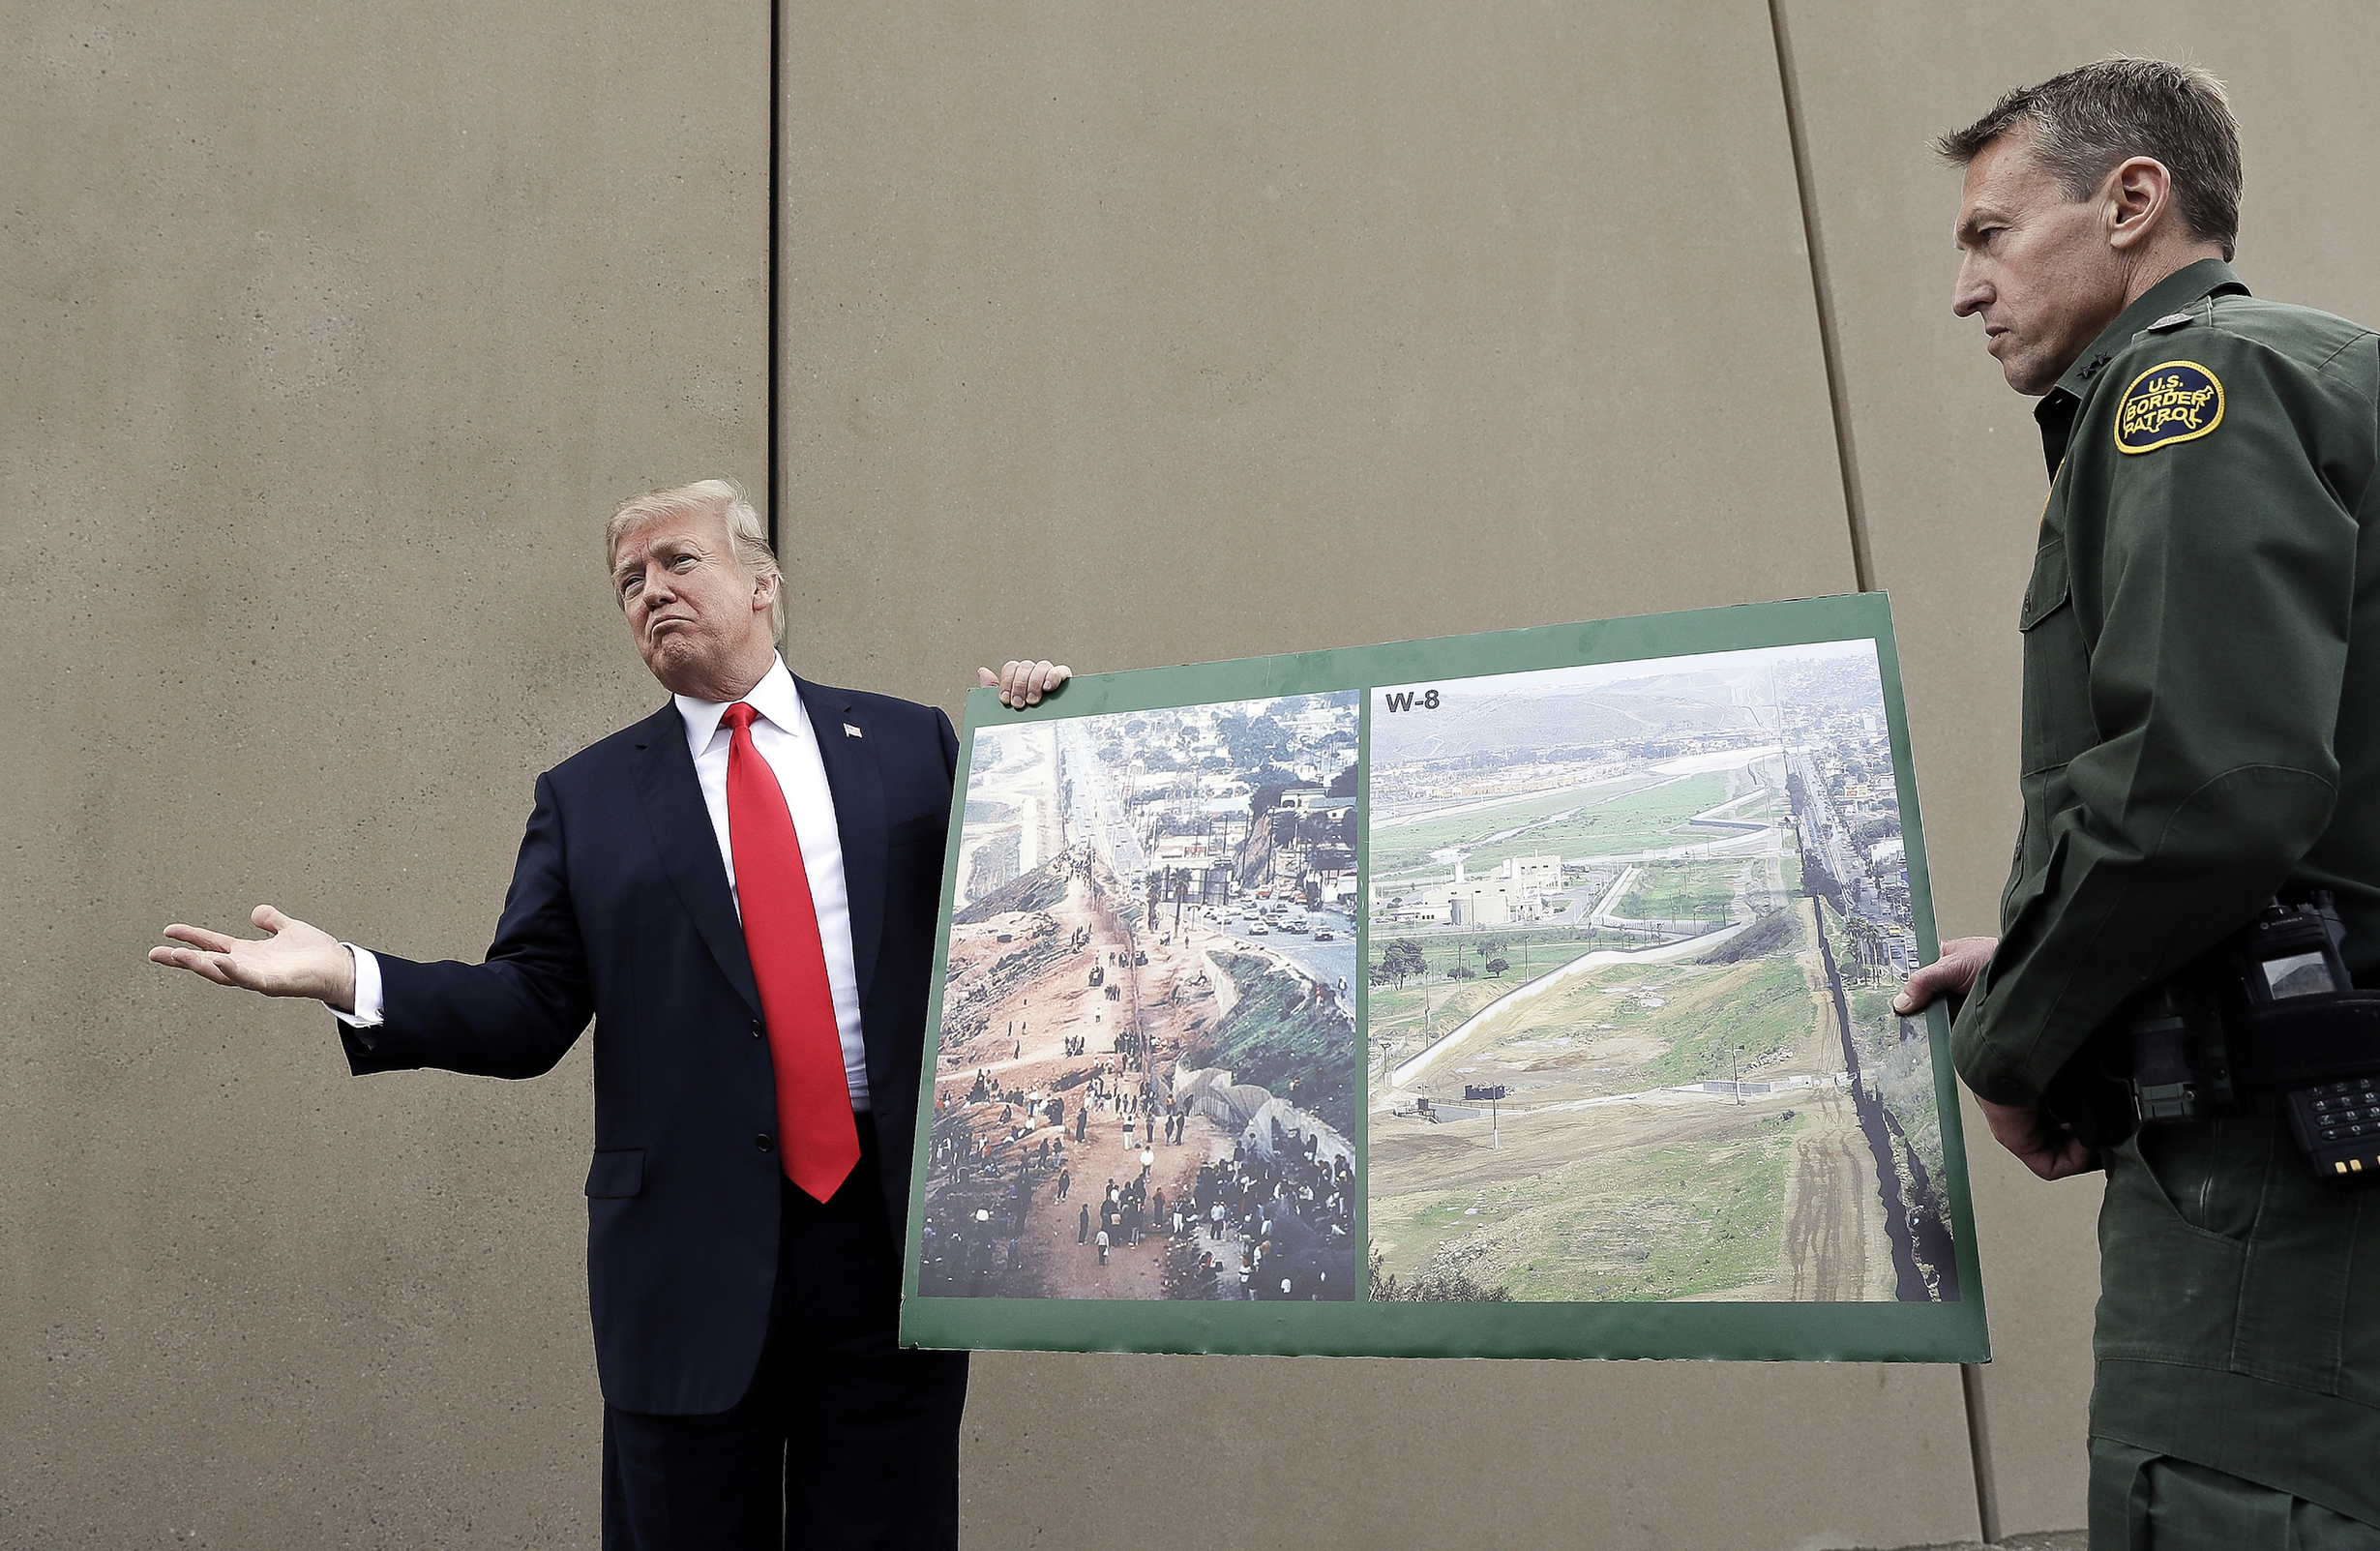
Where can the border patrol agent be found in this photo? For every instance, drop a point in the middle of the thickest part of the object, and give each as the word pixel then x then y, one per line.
pixel 2201 733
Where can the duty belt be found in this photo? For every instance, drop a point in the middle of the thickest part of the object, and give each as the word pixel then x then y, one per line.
pixel 2267 1022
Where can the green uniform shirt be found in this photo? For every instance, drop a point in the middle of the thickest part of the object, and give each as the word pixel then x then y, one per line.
pixel 2202 729
pixel 2202 662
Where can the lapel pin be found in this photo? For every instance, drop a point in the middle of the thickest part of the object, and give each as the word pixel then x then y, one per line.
pixel 850 731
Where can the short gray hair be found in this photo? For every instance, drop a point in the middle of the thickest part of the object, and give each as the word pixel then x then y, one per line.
pixel 722 498
pixel 2085 122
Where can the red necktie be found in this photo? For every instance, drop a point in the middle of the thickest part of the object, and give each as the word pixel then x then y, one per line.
pixel 817 1137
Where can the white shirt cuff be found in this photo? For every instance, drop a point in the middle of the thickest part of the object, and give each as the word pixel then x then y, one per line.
pixel 368 1008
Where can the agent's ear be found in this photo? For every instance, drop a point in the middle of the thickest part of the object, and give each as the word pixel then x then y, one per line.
pixel 2140 193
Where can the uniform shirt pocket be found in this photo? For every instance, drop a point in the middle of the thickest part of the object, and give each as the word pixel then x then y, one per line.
pixel 2058 724
pixel 2050 589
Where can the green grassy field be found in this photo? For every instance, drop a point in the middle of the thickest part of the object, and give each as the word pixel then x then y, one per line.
pixel 1598 824
pixel 1528 949
pixel 1448 1003
pixel 1681 1219
pixel 1683 891
pixel 1527 955
pixel 1677 1223
pixel 1725 1204
pixel 1760 1004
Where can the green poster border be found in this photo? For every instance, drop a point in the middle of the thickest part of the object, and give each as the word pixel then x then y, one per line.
pixel 1870 1332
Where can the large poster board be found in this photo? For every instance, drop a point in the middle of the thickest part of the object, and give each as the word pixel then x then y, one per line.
pixel 1519 995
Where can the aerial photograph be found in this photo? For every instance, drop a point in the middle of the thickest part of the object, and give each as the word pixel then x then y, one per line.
pixel 1634 930
pixel 1149 1077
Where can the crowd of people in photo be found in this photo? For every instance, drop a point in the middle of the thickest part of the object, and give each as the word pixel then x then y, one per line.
pixel 1275 1222
pixel 977 1235
pixel 1136 1104
pixel 1250 1227
pixel 1278 1227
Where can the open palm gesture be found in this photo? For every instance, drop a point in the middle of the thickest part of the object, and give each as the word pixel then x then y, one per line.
pixel 293 960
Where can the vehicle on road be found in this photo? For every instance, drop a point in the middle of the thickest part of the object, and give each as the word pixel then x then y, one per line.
pixel 1260 929
pixel 1326 935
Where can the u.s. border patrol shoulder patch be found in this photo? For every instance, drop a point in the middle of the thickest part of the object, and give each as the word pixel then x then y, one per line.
pixel 2173 401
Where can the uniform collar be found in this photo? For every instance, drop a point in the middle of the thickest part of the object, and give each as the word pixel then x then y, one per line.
pixel 2191 282
pixel 774 696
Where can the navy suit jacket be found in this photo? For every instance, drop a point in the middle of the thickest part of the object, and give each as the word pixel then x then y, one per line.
pixel 619 909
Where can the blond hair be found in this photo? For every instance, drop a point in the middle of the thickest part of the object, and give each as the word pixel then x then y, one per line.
pixel 721 498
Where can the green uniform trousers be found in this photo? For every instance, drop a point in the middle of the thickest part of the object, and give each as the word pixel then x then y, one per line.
pixel 2145 1501
pixel 2238 1330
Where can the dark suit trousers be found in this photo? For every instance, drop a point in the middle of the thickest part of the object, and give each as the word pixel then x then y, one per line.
pixel 843 1441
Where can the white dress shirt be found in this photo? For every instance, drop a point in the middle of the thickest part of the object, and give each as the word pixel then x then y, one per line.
pixel 783 737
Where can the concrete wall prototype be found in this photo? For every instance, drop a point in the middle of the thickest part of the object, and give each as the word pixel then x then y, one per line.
pixel 331 334
pixel 1138 338
pixel 1151 336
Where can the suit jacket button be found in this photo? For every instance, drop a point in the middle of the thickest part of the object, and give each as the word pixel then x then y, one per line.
pixel 755 1028
pixel 762 1142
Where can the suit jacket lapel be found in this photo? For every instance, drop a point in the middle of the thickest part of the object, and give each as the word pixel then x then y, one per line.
pixel 857 783
pixel 689 847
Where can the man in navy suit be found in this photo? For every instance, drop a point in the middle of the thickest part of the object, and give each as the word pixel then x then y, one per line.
pixel 754 1393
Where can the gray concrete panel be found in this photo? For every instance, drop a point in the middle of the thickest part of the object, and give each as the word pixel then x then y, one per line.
pixel 1952 479
pixel 1156 336
pixel 331 335
pixel 1362 1454
pixel 1182 334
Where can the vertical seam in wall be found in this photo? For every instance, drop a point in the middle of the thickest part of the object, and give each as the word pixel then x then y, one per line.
pixel 1864 570
pixel 1838 400
pixel 1979 1445
pixel 776 100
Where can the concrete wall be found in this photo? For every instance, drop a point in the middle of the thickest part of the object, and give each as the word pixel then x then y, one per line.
pixel 1149 337
pixel 331 334
pixel 1136 337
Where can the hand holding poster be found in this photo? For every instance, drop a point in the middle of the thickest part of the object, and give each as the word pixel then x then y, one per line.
pixel 1524 994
